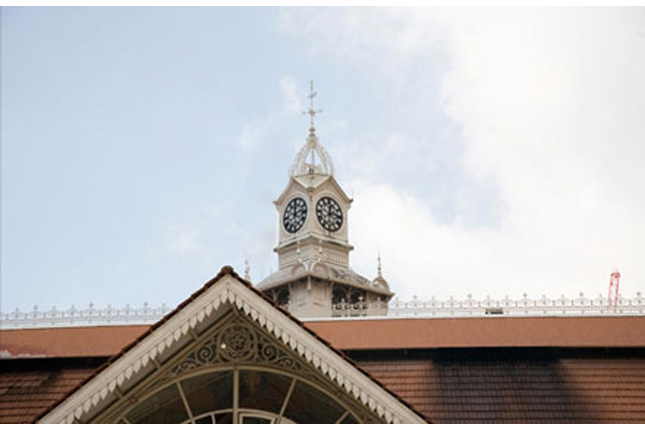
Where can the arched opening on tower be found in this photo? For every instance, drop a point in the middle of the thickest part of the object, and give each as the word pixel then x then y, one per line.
pixel 282 296
pixel 339 295
pixel 357 297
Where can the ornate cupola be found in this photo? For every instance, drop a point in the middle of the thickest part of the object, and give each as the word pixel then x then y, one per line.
pixel 313 248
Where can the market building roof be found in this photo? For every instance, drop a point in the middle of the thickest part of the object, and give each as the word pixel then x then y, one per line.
pixel 506 369
pixel 359 334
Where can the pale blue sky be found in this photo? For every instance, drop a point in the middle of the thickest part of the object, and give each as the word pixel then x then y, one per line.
pixel 142 148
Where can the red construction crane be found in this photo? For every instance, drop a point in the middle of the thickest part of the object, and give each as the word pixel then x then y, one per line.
pixel 614 283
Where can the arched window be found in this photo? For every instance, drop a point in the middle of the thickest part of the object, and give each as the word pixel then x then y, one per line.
pixel 244 395
pixel 339 294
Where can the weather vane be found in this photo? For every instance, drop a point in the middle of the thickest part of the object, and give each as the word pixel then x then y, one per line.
pixel 311 111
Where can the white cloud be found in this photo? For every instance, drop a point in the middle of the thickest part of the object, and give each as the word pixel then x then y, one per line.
pixel 254 135
pixel 550 106
pixel 292 101
pixel 191 238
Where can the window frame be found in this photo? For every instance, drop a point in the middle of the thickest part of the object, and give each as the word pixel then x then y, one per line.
pixel 238 412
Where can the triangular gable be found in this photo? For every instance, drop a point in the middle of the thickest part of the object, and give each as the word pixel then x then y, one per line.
pixel 181 330
pixel 292 182
pixel 338 188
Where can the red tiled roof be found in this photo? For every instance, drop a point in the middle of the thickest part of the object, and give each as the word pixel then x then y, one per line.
pixel 484 389
pixel 102 341
pixel 471 387
pixel 479 332
pixel 28 387
pixel 369 334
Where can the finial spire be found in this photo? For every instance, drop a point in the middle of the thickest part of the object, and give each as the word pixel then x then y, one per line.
pixel 379 281
pixel 311 111
pixel 380 274
pixel 247 270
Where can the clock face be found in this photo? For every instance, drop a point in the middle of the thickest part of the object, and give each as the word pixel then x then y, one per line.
pixel 329 214
pixel 294 215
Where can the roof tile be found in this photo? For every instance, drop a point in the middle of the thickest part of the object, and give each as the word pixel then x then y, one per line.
pixel 560 390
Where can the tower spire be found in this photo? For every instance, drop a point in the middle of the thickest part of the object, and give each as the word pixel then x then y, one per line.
pixel 314 274
pixel 311 111
pixel 380 273
pixel 312 158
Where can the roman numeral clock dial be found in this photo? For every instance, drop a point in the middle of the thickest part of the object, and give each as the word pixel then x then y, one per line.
pixel 294 215
pixel 329 214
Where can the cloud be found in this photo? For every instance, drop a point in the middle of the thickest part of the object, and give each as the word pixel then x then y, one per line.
pixel 548 105
pixel 192 237
pixel 256 134
pixel 418 252
pixel 253 135
pixel 292 101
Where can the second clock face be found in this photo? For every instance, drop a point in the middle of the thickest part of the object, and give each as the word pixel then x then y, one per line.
pixel 329 214
pixel 294 215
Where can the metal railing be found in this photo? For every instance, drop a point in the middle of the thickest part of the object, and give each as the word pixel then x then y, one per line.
pixel 80 317
pixel 580 305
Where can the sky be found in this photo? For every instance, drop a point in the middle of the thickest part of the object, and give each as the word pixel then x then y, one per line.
pixel 491 152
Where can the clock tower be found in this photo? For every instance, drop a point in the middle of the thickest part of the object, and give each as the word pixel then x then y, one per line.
pixel 314 278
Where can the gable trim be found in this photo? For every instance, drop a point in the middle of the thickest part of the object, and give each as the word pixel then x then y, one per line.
pixel 228 288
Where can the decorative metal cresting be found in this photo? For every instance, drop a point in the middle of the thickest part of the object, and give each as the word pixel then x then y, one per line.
pixel 312 158
pixel 80 317
pixel 525 306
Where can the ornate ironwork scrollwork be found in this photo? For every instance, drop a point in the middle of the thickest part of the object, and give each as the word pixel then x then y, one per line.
pixel 237 342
